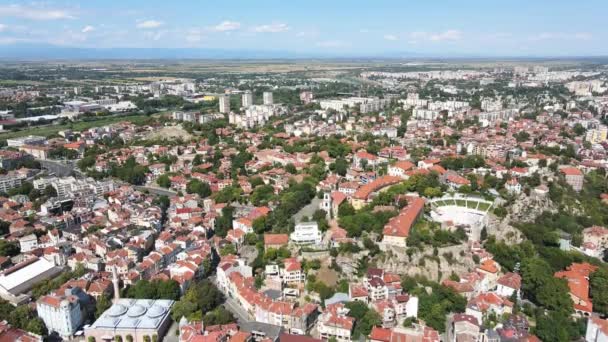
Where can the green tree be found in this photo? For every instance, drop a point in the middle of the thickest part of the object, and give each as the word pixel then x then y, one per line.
pixel 219 316
pixel 103 303
pixel 228 249
pixel 261 195
pixel 599 290
pixel 37 327
pixel 340 166
pixel 9 248
pixel 164 181
pixel 196 186
pixel 168 289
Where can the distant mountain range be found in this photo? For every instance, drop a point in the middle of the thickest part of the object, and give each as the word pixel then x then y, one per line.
pixel 34 52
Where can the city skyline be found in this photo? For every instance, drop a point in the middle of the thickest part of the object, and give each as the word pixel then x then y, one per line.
pixel 310 29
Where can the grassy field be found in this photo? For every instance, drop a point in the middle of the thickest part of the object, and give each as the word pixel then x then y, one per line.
pixel 76 126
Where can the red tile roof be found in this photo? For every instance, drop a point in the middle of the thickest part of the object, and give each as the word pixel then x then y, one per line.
pixel 401 224
pixel 276 239
pixel 571 171
pixel 379 183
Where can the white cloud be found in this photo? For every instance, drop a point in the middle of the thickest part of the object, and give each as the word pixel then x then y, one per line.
pixel 87 29
pixel 583 36
pixel 2 27
pixel 390 37
pixel 12 40
pixel 272 28
pixel 561 36
pixel 226 26
pixel 149 24
pixel 447 35
pixel 34 13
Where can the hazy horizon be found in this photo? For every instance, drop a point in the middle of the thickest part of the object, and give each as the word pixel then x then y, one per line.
pixel 383 28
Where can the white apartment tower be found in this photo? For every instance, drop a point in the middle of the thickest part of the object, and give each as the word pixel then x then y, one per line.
pixel 224 104
pixel 247 99
pixel 268 100
pixel 61 314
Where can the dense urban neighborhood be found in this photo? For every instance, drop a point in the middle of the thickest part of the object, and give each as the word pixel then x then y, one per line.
pixel 440 201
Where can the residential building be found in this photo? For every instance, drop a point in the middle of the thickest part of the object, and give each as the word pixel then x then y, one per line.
pixel 306 233
pixel 398 228
pixel 577 276
pixel 247 99
pixel 462 327
pixel 28 140
pixel 574 177
pixel 509 284
pixel 61 314
pixel 597 330
pixel 224 101
pixel 268 100
pixel 334 322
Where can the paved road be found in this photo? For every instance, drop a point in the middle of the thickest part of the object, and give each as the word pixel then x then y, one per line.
pixel 59 168
pixel 233 306
pixel 308 210
pixel 172 333
pixel 157 191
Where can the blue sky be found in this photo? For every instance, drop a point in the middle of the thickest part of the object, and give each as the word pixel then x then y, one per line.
pixel 353 27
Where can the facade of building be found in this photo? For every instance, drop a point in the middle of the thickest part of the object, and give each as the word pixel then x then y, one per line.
pixel 8 182
pixel 224 101
pixel 597 330
pixel 29 140
pixel 268 99
pixel 574 177
pixel 61 314
pixel 306 233
pixel 247 99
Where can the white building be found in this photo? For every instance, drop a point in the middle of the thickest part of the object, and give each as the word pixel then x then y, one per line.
pixel 268 100
pixel 142 319
pixel 28 243
pixel 16 281
pixel 29 140
pixel 247 99
pixel 597 330
pixel 61 314
pixel 335 322
pixel 508 284
pixel 425 114
pixel 9 181
pixel 255 115
pixel 224 104
pixel 366 104
pixel 306 233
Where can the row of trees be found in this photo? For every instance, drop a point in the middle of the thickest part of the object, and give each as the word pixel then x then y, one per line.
pixel 202 301
pixel 155 289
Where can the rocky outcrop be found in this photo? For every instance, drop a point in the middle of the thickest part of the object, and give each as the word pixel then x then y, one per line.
pixel 456 259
